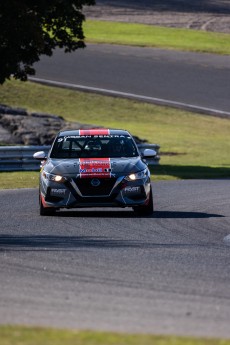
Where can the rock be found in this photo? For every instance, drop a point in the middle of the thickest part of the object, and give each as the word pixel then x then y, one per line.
pixel 20 127
pixel 4 109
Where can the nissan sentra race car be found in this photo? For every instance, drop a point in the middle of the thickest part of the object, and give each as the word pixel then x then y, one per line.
pixel 95 168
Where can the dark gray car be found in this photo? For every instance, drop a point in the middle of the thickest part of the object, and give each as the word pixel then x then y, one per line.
pixel 96 167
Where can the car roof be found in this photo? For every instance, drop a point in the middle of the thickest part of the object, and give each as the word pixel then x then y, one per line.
pixel 94 131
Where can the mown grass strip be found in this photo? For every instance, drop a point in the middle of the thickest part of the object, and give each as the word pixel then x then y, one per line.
pixel 155 36
pixel 19 335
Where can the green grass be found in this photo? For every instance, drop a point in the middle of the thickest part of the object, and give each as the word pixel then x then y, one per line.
pixel 19 179
pixel 175 172
pixel 18 335
pixel 155 36
pixel 192 145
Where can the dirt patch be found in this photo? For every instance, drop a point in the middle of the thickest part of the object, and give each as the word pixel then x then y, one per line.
pixel 207 15
pixel 169 153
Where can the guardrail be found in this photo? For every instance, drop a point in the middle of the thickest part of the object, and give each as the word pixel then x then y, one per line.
pixel 20 158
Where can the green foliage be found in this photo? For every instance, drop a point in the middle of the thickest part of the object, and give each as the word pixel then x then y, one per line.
pixel 31 28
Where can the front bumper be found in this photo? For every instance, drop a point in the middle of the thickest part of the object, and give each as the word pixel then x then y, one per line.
pixel 111 192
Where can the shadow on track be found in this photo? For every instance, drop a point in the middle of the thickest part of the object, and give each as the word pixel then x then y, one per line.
pixel 130 214
pixel 69 243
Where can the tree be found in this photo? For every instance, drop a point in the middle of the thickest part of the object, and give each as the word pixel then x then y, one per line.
pixel 30 28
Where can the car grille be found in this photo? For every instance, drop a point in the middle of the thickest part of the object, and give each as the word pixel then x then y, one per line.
pixel 101 200
pixel 87 189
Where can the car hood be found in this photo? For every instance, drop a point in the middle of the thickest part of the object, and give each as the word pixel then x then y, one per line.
pixel 92 167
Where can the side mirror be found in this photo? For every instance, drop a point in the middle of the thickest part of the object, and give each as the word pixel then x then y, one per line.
pixel 147 153
pixel 40 155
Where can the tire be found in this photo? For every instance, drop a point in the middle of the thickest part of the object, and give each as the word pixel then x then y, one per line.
pixel 45 211
pixel 145 210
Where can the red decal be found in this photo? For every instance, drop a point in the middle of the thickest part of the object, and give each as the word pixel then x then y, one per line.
pixel 43 201
pixel 44 204
pixel 95 167
pixel 147 201
pixel 97 131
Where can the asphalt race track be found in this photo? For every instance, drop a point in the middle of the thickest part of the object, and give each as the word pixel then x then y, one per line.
pixel 110 270
pixel 201 80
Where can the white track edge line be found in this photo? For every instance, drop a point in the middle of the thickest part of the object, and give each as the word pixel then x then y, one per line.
pixel 191 107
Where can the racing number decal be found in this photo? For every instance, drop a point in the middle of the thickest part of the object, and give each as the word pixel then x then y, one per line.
pixel 95 167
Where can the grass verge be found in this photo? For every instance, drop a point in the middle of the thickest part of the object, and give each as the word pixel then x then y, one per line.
pixel 18 335
pixel 19 179
pixel 175 172
pixel 154 36
pixel 192 145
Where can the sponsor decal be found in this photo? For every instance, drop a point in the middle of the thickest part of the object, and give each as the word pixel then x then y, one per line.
pixel 95 167
pixel 89 133
pixel 130 189
pixel 57 192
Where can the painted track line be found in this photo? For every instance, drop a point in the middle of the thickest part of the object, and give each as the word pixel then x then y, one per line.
pixel 227 240
pixel 113 93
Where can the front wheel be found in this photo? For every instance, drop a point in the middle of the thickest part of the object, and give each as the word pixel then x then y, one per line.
pixel 145 210
pixel 45 211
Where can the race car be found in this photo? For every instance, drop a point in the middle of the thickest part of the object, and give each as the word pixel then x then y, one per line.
pixel 94 168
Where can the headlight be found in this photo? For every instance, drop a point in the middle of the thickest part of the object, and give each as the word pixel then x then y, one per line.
pixel 55 178
pixel 137 176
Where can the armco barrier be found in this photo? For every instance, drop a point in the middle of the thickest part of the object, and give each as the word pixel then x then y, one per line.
pixel 20 158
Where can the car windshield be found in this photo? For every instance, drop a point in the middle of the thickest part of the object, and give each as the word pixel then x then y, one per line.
pixel 91 146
